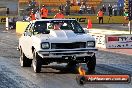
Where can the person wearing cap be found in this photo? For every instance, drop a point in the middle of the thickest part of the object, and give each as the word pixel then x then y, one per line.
pixel 44 12
pixel 32 15
pixel 59 15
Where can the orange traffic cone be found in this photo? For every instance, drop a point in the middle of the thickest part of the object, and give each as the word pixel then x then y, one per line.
pixel 89 25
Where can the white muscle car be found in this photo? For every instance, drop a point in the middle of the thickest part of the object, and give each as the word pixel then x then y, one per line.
pixel 56 40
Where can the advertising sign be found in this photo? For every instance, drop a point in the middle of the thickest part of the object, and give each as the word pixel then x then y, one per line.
pixel 119 41
pixel 2 19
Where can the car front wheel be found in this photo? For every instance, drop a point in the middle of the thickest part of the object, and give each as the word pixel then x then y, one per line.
pixel 36 62
pixel 91 64
pixel 24 61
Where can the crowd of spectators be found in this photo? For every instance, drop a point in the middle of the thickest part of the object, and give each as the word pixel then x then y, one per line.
pixel 114 10
pixel 84 8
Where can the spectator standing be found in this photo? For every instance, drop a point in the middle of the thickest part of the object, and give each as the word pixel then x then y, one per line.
pixel 125 18
pixel 32 15
pixel 81 10
pixel 59 15
pixel 104 9
pixel 89 9
pixel 85 6
pixel 44 12
pixel 61 7
pixel 67 8
pixel 121 10
pixel 11 24
pixel 15 19
pixel 100 15
pixel 110 10
pixel 32 4
pixel 37 15
pixel 92 9
pixel 115 10
pixel 29 5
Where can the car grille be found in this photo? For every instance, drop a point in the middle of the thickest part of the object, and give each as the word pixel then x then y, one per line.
pixel 68 45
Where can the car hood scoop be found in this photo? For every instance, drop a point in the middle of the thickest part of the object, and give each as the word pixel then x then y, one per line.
pixel 62 33
pixel 64 36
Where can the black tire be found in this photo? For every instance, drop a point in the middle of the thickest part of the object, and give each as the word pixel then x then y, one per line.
pixel 24 61
pixel 37 62
pixel 72 67
pixel 81 80
pixel 91 64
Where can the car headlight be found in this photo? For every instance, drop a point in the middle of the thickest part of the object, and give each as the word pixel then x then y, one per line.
pixel 91 44
pixel 45 45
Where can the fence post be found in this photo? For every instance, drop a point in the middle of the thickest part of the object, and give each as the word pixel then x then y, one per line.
pixel 7 23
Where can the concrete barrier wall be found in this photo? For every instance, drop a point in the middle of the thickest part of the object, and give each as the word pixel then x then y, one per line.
pixel 107 19
pixel 84 19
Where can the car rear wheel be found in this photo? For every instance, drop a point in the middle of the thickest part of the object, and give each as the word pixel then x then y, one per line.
pixel 24 61
pixel 37 62
pixel 91 64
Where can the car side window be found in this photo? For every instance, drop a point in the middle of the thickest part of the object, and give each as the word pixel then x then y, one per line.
pixel 31 28
pixel 28 27
pixel 28 31
pixel 40 28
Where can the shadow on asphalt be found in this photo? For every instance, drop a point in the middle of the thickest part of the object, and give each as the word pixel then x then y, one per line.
pixel 64 70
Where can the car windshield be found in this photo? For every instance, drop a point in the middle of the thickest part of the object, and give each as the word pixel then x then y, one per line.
pixel 40 27
pixel 73 25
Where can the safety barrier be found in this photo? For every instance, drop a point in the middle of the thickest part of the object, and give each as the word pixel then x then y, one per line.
pixel 112 39
pixel 84 19
pixel 20 27
pixel 119 41
pixel 107 19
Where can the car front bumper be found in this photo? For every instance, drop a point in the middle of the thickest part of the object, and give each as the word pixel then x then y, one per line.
pixel 63 53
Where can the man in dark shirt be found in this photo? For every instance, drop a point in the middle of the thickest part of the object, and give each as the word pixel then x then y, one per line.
pixel 110 10
pixel 104 9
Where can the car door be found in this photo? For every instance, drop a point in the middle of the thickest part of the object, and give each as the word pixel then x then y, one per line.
pixel 29 41
pixel 26 41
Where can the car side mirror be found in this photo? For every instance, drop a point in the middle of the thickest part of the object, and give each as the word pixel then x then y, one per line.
pixel 26 33
pixel 86 30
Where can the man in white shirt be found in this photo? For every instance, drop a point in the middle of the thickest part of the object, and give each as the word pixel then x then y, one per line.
pixel 37 15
